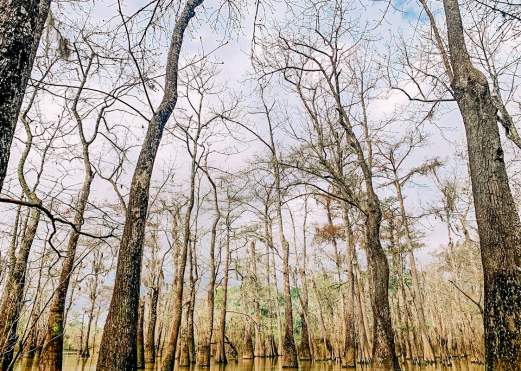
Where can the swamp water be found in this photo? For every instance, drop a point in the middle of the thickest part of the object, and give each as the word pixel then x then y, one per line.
pixel 74 363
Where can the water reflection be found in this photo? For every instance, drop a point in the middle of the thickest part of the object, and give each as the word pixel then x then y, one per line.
pixel 74 363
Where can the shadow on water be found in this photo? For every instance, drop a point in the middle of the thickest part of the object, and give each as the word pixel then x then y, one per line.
pixel 74 363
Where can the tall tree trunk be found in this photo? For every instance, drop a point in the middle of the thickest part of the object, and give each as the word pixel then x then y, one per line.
pixel 11 251
pixel 383 344
pixel 496 214
pixel 118 344
pixel 33 341
pixel 190 336
pixel 383 352
pixel 150 348
pixel 85 351
pixel 205 346
pixel 53 348
pixel 21 26
pixel 275 301
pixel 273 306
pixel 220 355
pixel 305 348
pixel 259 343
pixel 171 351
pixel 12 297
pixel 363 327
pixel 140 347
pixel 349 353
pixel 289 349
pixel 428 352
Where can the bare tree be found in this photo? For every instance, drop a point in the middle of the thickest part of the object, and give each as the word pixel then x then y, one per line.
pixel 118 345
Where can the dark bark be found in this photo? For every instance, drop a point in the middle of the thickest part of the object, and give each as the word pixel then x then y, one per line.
pixel 140 346
pixel 247 352
pixel 150 348
pixel 21 26
pixel 496 214
pixel 85 351
pixel 304 349
pixel 118 344
pixel 220 354
pixel 383 346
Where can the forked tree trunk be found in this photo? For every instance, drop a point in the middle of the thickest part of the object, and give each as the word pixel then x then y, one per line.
pixel 497 218
pixel 53 347
pixel 85 351
pixel 118 344
pixel 383 352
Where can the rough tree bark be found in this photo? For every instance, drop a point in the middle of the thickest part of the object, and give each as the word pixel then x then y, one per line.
pixel 496 214
pixel 118 344
pixel 21 26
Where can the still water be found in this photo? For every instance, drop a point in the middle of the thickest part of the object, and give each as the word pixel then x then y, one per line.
pixel 73 363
